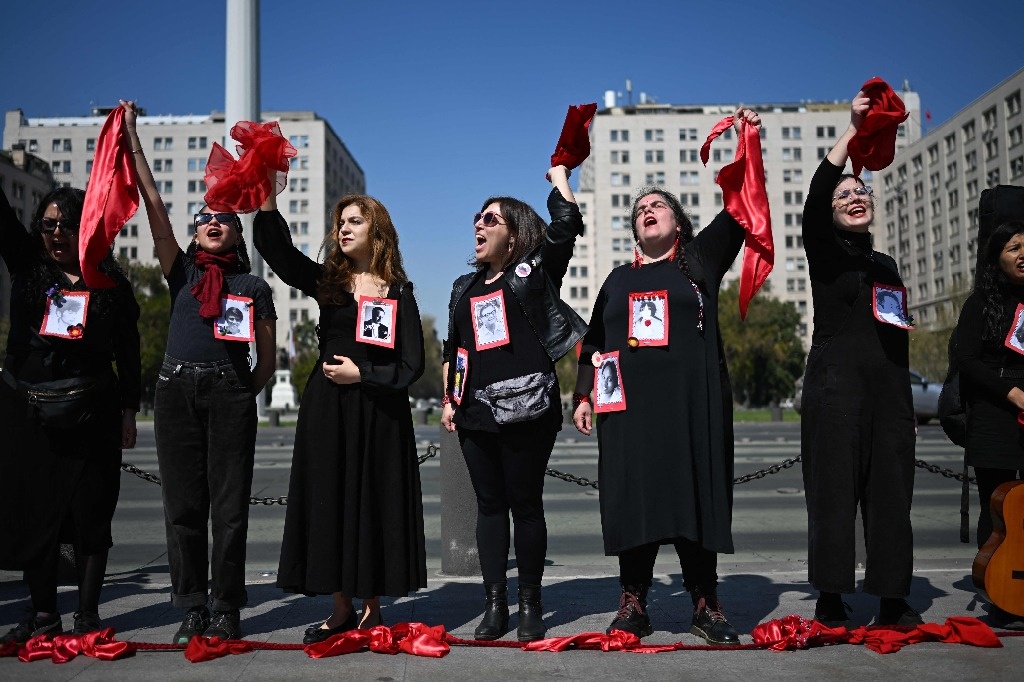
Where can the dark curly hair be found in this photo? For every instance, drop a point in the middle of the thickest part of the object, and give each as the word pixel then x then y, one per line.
pixel 45 272
pixel 999 297
pixel 682 219
pixel 525 229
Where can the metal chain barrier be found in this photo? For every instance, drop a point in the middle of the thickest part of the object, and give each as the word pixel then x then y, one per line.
pixel 433 450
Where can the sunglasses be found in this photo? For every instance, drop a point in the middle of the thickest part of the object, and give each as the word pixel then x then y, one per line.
pixel 222 218
pixel 49 226
pixel 848 194
pixel 490 219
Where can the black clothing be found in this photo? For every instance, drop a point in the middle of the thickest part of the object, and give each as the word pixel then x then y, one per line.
pixel 523 355
pixel 190 336
pixel 354 522
pixel 699 565
pixel 381 331
pixel 507 461
pixel 857 428
pixel 205 421
pixel 205 428
pixel 554 322
pixel 54 477
pixel 666 462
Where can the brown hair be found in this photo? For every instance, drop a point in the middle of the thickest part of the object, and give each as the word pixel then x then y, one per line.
pixel 385 258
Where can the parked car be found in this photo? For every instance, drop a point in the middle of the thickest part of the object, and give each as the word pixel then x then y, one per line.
pixel 924 391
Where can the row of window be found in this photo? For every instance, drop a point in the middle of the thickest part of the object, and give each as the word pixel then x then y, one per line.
pixel 658 134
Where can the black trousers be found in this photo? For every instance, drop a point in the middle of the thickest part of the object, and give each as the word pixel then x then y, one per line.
pixel 699 566
pixel 988 480
pixel 507 471
pixel 206 441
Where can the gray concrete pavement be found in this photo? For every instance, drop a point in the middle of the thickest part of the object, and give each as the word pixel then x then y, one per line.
pixel 765 579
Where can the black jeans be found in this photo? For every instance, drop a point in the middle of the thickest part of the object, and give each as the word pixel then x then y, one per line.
pixel 205 442
pixel 699 566
pixel 507 470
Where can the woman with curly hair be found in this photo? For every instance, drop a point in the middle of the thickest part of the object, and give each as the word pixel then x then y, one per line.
pixel 989 354
pixel 61 478
pixel 674 487
pixel 354 524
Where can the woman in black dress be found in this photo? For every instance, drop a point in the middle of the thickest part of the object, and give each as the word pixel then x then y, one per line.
pixel 991 362
pixel 673 484
pixel 857 428
pixel 507 322
pixel 354 525
pixel 60 481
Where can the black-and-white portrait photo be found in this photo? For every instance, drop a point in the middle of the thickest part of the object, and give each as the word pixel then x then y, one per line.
pixel 65 315
pixel 608 384
pixel 890 306
pixel 376 322
pixel 648 322
pixel 235 322
pixel 1015 339
pixel 489 322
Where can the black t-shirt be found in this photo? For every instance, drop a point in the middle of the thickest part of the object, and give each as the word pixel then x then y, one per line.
pixel 523 355
pixel 190 337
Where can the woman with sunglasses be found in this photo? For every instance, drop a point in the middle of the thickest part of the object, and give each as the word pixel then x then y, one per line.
pixel 60 474
pixel 205 407
pixel 508 323
pixel 354 524
pixel 673 484
pixel 857 428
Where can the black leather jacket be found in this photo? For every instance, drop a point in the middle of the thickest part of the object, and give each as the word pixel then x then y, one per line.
pixel 556 325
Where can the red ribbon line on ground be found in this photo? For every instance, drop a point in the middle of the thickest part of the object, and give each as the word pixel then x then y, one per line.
pixel 784 634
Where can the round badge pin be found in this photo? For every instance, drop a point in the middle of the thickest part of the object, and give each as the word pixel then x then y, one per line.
pixel 523 269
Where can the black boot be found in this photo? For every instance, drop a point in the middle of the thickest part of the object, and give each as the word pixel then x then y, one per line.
pixel 632 616
pixel 709 622
pixel 531 614
pixel 495 621
pixel 896 611
pixel 831 611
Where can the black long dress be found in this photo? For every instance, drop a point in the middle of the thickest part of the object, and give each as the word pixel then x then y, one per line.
pixel 857 425
pixel 666 462
pixel 354 522
pixel 54 478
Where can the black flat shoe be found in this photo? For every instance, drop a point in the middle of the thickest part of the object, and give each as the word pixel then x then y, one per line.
pixel 318 633
pixel 831 611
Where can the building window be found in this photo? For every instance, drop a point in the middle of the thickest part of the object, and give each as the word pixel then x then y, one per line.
pixel 933 154
pixel 791 132
pixel 197 164
pixel 90 144
pixel 299 141
pixel 654 135
pixel 619 135
pixel 993 177
pixel 687 134
pixel 971 161
pixel 690 155
pixel 197 143
pixel 654 156
pixel 954 199
pixel 991 149
pixel 792 175
pixel 691 199
pixel 950 143
pixel 989 118
pixel 1017 167
pixel 163 165
pixel 620 179
pixel 197 186
pixel 968 131
pixel 657 178
pixel 827 132
pixel 1013 104
pixel 88 167
pixel 1015 137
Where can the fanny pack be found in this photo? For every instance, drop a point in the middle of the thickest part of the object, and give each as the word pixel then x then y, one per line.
pixel 61 403
pixel 518 399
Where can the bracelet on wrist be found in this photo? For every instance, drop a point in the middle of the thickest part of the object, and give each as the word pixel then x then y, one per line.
pixel 578 398
pixel 445 400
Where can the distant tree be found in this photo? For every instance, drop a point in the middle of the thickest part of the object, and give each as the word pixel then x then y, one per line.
pixel 154 319
pixel 307 351
pixel 764 352
pixel 430 385
pixel 566 369
pixel 929 344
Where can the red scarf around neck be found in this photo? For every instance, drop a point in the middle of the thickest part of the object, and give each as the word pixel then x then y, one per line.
pixel 210 286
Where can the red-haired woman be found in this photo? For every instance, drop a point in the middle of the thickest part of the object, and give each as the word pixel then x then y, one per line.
pixel 354 525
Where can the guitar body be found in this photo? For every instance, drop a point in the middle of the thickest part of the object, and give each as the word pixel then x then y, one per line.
pixel 998 570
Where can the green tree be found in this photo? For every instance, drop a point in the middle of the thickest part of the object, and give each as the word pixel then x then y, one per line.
pixel 764 352
pixel 929 345
pixel 154 320
pixel 430 385
pixel 307 351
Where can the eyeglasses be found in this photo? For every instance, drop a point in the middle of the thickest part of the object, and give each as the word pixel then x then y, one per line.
pixel 490 219
pixel 847 194
pixel 222 218
pixel 49 226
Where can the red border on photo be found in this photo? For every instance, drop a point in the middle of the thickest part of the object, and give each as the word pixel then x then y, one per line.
pixel 460 354
pixel 84 295
pixel 390 306
pixel 500 298
pixel 606 406
pixel 247 304
pixel 1011 338
pixel 661 295
pixel 874 304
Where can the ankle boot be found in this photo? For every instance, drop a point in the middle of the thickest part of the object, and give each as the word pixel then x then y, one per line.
pixel 709 622
pixel 632 616
pixel 495 620
pixel 531 613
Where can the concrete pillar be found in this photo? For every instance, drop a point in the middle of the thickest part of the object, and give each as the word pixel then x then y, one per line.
pixel 459 554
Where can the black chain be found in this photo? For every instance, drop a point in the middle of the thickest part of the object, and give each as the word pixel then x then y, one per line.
pixel 433 450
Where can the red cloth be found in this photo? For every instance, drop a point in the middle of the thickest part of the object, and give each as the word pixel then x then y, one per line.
pixel 573 146
pixel 793 632
pixel 412 638
pixel 111 199
pixel 201 649
pixel 874 145
pixel 210 286
pixel 242 185
pixel 746 200
pixel 62 648
pixel 618 640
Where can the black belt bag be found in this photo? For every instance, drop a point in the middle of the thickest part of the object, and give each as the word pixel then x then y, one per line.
pixel 518 399
pixel 62 403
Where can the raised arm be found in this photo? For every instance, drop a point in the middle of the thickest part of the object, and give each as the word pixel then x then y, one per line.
pixel 273 239
pixel 167 248
pixel 566 224
pixel 838 155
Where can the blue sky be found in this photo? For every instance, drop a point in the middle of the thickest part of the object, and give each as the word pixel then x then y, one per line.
pixel 446 103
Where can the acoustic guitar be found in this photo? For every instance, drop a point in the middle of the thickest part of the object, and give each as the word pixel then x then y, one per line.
pixel 998 570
